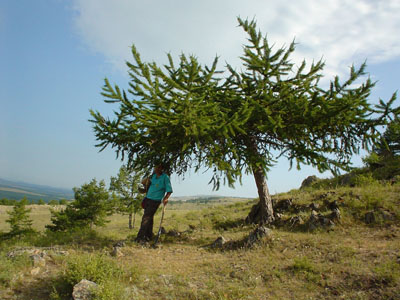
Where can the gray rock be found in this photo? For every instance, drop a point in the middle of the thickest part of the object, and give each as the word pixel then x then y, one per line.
pixel 314 217
pixel 314 206
pixel 309 181
pixel 31 251
pixel 284 204
pixel 219 242
pixel 335 215
pixel 173 233
pixel 84 290
pixel 333 205
pixel 387 215
pixel 116 252
pixel 258 234
pixel 119 244
pixel 296 220
pixel 38 260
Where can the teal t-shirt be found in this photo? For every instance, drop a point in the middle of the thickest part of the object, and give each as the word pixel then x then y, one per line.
pixel 158 187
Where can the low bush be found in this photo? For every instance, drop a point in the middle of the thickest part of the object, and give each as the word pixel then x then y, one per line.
pixel 98 268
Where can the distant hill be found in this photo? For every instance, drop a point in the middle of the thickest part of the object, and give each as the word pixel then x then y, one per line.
pixel 17 190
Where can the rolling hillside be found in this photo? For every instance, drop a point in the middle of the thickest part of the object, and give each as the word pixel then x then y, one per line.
pixel 17 190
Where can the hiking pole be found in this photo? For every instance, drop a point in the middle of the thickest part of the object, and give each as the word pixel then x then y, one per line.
pixel 159 229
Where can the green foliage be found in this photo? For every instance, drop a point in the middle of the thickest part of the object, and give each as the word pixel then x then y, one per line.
pixel 93 267
pixel 19 219
pixel 5 201
pixel 9 267
pixel 388 272
pixel 41 202
pixel 100 269
pixel 190 116
pixel 302 264
pixel 91 206
pixel 54 202
pixel 364 180
pixel 24 201
pixel 126 186
pixel 389 144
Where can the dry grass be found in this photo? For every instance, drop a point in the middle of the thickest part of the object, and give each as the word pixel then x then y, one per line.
pixel 352 261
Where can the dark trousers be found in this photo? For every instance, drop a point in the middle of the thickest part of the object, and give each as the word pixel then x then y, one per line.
pixel 146 227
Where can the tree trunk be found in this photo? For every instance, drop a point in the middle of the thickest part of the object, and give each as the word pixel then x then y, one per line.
pixel 134 218
pixel 262 212
pixel 130 221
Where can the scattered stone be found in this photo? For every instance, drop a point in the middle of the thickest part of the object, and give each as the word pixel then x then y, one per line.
pixel 314 206
pixel 309 181
pixel 387 215
pixel 167 279
pixel 314 218
pixel 335 215
pixel 119 244
pixel 38 260
pixel 84 290
pixel 35 271
pixel 369 217
pixel 294 221
pixel 258 234
pixel 317 220
pixel 173 233
pixel 117 252
pixel 219 242
pixel 284 204
pixel 333 205
pixel 347 179
pixel 43 252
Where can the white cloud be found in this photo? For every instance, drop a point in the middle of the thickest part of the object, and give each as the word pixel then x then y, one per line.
pixel 339 31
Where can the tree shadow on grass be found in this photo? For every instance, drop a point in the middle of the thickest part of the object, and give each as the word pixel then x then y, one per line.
pixel 36 287
pixel 229 224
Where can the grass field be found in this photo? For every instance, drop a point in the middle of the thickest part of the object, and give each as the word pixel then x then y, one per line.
pixel 352 260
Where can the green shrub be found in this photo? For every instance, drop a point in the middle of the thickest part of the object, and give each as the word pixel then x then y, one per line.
pixel 93 267
pixel 98 268
pixel 19 220
pixel 302 264
pixel 9 267
pixel 364 180
pixel 388 273
pixel 91 207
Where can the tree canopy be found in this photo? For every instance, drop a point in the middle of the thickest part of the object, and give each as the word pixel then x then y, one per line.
pixel 236 121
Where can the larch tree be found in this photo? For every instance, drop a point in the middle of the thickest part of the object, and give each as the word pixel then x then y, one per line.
pixel 126 185
pixel 236 122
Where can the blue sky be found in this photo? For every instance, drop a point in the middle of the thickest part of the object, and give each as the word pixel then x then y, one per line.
pixel 55 54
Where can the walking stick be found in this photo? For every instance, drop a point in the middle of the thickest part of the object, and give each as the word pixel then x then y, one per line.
pixel 159 229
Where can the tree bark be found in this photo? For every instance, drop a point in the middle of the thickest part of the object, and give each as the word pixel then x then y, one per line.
pixel 262 212
pixel 130 221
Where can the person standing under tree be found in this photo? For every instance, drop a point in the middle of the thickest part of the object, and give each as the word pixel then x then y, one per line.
pixel 159 190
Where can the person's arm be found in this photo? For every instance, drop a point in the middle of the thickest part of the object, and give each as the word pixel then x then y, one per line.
pixel 168 189
pixel 165 200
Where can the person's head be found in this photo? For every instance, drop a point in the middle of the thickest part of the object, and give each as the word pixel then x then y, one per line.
pixel 159 169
